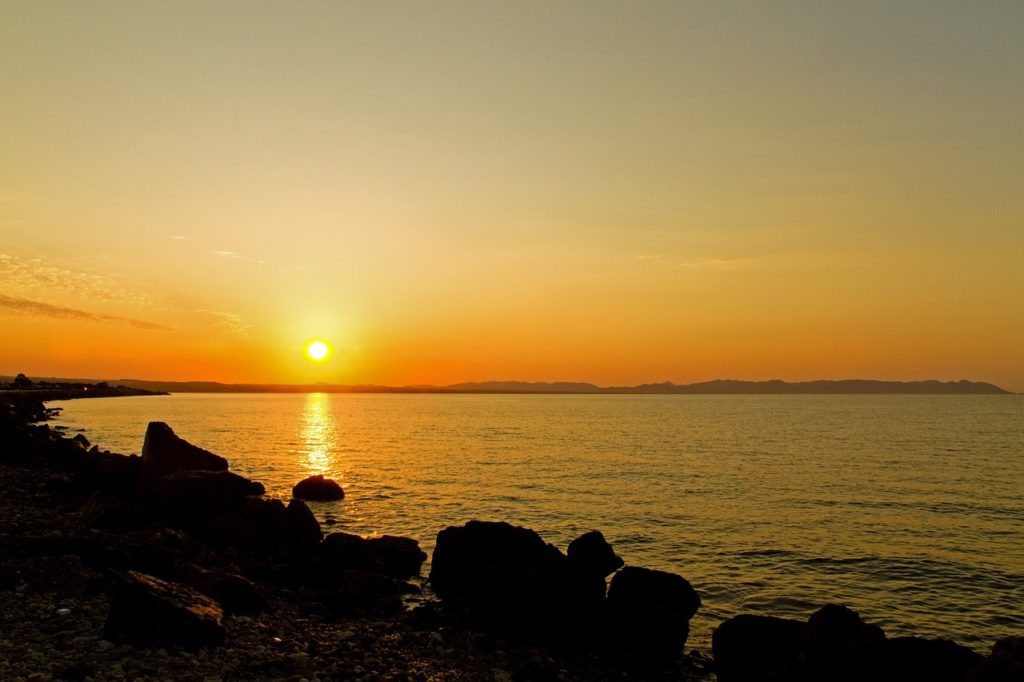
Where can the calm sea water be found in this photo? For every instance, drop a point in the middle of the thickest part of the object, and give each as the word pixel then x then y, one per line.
pixel 910 509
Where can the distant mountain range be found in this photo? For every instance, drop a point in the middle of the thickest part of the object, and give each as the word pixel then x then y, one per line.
pixel 717 387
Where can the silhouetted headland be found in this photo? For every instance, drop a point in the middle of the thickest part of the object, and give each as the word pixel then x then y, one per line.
pixel 170 565
pixel 716 387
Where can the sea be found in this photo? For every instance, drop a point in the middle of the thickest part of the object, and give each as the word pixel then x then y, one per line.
pixel 908 509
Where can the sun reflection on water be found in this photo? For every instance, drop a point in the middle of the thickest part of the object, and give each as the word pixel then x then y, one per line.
pixel 318 434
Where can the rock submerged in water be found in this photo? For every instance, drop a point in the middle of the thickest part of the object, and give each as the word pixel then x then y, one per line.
pixel 318 489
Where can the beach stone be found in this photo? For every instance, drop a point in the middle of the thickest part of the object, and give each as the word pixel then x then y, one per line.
pixel 838 645
pixel 164 452
pixel 148 611
pixel 318 489
pixel 235 594
pixel 591 554
pixel 650 615
pixel 753 647
pixel 388 555
pixel 936 660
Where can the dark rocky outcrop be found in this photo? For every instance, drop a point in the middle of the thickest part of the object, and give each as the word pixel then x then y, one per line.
pixel 164 452
pixel 199 494
pixel 388 555
pixel 1004 664
pixel 590 554
pixel 650 615
pixel 148 611
pixel 753 648
pixel 318 489
pixel 505 576
pixel 935 660
pixel 838 645
pixel 235 594
pixel 509 580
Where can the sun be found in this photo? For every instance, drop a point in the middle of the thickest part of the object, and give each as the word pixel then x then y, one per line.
pixel 317 350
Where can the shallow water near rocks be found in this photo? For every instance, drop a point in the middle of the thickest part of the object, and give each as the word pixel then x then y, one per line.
pixel 909 509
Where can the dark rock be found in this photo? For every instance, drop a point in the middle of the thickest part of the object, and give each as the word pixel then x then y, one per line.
pixel 297 530
pixel 318 489
pixel 839 646
pixel 199 494
pixel 935 660
pixel 650 615
pixel 164 452
pixel 357 593
pixel 108 472
pixel 590 554
pixel 504 575
pixel 147 611
pixel 1004 664
pixel 81 441
pixel 387 555
pixel 753 648
pixel 235 594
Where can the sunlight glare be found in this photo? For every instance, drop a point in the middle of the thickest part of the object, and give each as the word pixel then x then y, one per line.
pixel 317 350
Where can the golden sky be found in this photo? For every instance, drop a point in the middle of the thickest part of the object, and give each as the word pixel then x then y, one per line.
pixel 595 191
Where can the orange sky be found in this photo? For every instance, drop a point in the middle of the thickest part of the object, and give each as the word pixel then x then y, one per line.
pixel 574 191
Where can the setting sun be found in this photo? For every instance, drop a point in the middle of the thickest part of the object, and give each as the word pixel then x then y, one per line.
pixel 317 350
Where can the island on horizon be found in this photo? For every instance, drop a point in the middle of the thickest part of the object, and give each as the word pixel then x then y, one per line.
pixel 715 387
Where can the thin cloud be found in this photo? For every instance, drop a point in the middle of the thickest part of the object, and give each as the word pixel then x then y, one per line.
pixel 35 276
pixel 712 262
pixel 24 306
pixel 181 238
pixel 229 322
pixel 236 256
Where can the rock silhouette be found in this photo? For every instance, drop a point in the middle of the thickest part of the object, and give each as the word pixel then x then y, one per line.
pixel 318 489
pixel 146 610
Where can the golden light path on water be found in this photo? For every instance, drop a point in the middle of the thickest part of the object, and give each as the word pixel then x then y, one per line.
pixel 318 436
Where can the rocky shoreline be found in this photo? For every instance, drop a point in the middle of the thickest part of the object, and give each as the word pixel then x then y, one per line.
pixel 170 566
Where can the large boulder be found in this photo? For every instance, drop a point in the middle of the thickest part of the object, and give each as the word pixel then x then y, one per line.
pixel 650 615
pixel 839 646
pixel 164 452
pixel 235 594
pixel 387 555
pixel 296 528
pixel 318 489
pixel 200 494
pixel 935 660
pixel 1004 664
pixel 147 611
pixel 752 648
pixel 507 578
pixel 590 554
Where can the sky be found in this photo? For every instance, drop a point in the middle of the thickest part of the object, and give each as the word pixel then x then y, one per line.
pixel 459 191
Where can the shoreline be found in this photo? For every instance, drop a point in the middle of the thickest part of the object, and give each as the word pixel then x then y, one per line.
pixel 431 640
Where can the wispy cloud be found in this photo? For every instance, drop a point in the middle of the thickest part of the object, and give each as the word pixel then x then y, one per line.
pixel 24 306
pixel 181 238
pixel 712 262
pixel 236 256
pixel 36 276
pixel 229 322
